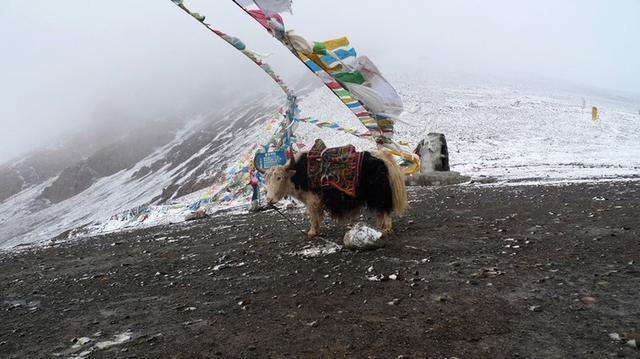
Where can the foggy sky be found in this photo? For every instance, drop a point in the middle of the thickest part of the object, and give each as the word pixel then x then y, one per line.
pixel 65 64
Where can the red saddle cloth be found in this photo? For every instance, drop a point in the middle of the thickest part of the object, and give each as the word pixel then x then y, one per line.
pixel 337 167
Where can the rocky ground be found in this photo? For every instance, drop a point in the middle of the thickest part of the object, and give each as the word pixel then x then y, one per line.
pixel 471 272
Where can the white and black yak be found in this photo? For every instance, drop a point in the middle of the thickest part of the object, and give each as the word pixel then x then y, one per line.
pixel 379 186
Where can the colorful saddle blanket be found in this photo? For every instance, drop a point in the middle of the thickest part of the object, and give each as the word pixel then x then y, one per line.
pixel 337 167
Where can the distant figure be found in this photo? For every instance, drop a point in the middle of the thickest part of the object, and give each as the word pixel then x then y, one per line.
pixel 228 196
pixel 255 185
pixel 594 114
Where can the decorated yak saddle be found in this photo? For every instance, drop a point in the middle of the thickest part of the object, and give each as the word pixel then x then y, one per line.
pixel 337 167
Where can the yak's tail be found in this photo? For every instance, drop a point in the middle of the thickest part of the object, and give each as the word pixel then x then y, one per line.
pixel 396 180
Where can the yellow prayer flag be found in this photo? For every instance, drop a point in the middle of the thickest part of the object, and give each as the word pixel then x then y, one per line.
pixel 331 45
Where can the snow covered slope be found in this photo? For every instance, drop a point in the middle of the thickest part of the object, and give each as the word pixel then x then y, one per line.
pixel 504 132
pixel 193 160
pixel 512 134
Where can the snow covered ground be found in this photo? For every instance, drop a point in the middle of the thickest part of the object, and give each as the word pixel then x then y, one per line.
pixel 509 133
pixel 512 134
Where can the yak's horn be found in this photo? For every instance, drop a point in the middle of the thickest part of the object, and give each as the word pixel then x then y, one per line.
pixel 291 164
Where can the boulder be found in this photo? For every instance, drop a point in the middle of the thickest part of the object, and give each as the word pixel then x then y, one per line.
pixel 434 153
pixel 434 164
pixel 362 237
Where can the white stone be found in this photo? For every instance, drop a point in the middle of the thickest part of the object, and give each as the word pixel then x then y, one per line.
pixel 362 237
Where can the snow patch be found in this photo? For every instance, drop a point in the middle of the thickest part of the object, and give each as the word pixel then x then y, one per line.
pixel 319 251
pixel 84 346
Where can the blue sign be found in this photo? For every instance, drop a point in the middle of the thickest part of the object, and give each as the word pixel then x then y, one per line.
pixel 266 160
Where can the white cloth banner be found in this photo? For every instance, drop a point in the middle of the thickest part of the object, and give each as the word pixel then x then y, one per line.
pixel 379 84
pixel 374 101
pixel 269 7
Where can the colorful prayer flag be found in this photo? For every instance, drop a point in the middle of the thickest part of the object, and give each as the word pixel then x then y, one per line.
pixel 353 77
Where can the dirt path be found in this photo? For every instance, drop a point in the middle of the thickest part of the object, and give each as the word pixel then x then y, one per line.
pixel 472 272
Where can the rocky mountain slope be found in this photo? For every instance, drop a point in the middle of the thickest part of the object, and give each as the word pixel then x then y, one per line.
pixel 150 164
pixel 510 133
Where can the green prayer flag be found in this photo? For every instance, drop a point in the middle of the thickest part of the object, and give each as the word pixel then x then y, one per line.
pixel 354 77
pixel 342 93
pixel 319 48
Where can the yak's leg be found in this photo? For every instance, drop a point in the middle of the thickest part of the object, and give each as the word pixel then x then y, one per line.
pixel 379 220
pixel 384 222
pixel 316 216
pixel 387 227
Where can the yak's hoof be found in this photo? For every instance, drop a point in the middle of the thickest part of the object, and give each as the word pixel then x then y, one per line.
pixel 312 235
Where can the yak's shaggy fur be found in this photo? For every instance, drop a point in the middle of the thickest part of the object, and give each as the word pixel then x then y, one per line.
pixel 374 190
pixel 381 190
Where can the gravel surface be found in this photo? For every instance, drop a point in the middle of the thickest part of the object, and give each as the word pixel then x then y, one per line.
pixel 471 272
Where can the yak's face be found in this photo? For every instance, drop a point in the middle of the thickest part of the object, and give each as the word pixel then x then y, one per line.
pixel 279 183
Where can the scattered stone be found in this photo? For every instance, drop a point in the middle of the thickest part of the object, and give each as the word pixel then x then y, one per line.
pixel 442 298
pixel 194 215
pixel 614 336
pixel 487 273
pixel 395 301
pixel 535 308
pixel 155 337
pixel 589 301
pixel 80 342
pixel 228 265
